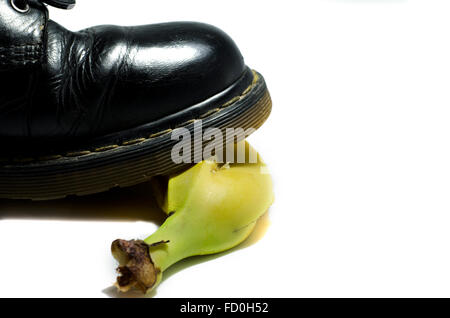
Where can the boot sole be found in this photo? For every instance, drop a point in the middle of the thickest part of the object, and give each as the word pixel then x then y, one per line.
pixel 134 156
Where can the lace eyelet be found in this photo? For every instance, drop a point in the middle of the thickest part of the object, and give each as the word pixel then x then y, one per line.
pixel 20 6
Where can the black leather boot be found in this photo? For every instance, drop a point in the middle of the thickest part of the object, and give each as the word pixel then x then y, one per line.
pixel 82 112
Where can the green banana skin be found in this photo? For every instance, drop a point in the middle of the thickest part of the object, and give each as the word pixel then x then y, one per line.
pixel 212 208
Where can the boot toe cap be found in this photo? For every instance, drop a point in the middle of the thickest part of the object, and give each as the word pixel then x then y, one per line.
pixel 171 66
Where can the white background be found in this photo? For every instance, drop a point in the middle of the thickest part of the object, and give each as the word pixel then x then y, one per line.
pixel 358 144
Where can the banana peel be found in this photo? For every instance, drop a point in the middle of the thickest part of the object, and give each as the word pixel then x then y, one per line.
pixel 211 208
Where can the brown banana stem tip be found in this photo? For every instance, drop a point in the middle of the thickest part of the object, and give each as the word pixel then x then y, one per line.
pixel 136 268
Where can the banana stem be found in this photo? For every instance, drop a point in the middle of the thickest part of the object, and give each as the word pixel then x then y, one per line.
pixel 136 267
pixel 141 263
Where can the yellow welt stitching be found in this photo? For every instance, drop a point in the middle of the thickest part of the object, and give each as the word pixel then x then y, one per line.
pixel 133 142
pixel 186 123
pixel 77 154
pixel 159 134
pixel 247 90
pixel 101 149
pixel 212 111
pixel 234 100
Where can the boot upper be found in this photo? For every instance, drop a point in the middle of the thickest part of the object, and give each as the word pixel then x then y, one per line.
pixel 58 84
